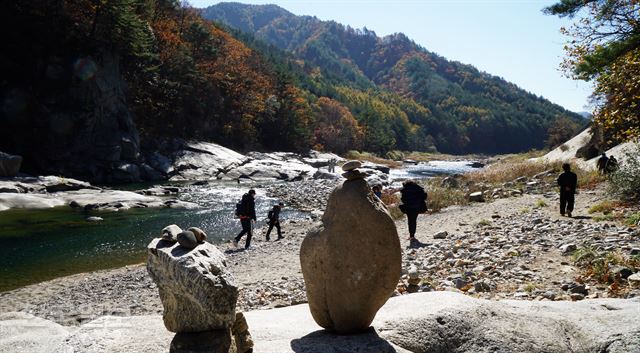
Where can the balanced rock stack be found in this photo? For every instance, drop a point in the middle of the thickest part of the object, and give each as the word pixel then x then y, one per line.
pixel 352 263
pixel 188 239
pixel 198 293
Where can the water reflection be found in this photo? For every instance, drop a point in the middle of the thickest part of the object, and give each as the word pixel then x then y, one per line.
pixel 37 245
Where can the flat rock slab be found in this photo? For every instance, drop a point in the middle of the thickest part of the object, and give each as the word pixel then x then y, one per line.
pixel 22 332
pixel 421 322
pixel 81 198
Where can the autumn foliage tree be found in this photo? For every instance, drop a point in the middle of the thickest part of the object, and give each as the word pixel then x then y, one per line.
pixel 336 129
pixel 605 48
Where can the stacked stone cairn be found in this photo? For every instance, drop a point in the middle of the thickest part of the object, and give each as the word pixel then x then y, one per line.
pixel 198 293
pixel 351 264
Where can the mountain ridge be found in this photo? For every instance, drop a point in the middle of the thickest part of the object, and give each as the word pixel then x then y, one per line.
pixel 491 114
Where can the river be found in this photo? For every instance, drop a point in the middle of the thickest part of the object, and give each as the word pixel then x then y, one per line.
pixel 39 245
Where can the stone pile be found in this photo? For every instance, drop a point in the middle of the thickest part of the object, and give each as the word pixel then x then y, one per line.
pixel 351 263
pixel 198 293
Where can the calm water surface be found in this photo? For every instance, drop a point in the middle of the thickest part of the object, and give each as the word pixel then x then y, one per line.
pixel 38 245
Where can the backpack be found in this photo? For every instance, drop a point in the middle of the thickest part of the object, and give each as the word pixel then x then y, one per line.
pixel 270 215
pixel 423 205
pixel 239 209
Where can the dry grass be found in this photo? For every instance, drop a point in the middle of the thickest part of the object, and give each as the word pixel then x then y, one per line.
pixel 521 157
pixel 588 179
pixel 370 157
pixel 508 171
pixel 540 203
pixel 604 207
pixel 440 197
pixel 503 172
pixel 426 156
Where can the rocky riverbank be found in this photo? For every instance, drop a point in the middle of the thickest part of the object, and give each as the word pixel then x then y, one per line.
pixel 515 248
pixel 188 162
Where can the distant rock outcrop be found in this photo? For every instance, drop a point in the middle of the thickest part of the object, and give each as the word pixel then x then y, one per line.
pixel 575 150
pixel 352 265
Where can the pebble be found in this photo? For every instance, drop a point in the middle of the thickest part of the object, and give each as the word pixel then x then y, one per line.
pixel 440 235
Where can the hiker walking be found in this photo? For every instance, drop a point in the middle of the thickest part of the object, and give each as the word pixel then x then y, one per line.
pixel 332 165
pixel 413 203
pixel 274 220
pixel 246 210
pixel 568 182
pixel 602 163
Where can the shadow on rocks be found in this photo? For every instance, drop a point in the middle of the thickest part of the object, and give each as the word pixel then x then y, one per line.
pixel 416 244
pixel 326 341
pixel 216 341
pixel 582 217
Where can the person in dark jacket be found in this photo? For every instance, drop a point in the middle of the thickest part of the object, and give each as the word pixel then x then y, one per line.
pixel 274 220
pixel 602 163
pixel 568 181
pixel 413 203
pixel 248 213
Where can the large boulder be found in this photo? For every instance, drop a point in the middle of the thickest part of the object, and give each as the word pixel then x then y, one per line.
pixel 351 265
pixel 9 164
pixel 196 289
pixel 439 321
pixel 200 161
pixel 275 166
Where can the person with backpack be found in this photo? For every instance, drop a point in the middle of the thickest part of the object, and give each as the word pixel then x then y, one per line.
pixel 612 165
pixel 414 202
pixel 246 211
pixel 273 220
pixel 602 163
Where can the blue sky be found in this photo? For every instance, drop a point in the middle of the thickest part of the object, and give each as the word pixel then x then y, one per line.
pixel 507 38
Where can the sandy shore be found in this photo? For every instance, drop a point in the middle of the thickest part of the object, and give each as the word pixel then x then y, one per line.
pixel 507 248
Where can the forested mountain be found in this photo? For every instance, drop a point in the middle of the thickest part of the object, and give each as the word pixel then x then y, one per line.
pixel 85 84
pixel 90 89
pixel 452 105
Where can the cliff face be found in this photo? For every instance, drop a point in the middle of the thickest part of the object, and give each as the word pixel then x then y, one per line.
pixel 79 127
